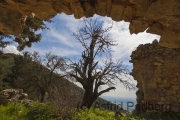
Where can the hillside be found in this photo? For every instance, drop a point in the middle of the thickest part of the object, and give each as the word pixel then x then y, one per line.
pixel 63 91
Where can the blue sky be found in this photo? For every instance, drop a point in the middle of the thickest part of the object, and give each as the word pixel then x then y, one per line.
pixel 59 41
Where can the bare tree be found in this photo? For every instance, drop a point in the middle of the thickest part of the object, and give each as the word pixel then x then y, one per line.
pixel 49 72
pixel 37 75
pixel 91 73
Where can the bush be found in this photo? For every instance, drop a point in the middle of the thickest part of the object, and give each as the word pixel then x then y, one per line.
pixel 156 116
pixel 95 114
pixel 18 111
pixel 40 111
pixel 13 111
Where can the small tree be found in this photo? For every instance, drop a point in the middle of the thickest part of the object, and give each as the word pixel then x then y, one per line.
pixel 91 73
pixel 36 75
pixel 3 43
pixel 31 27
pixel 29 34
pixel 49 71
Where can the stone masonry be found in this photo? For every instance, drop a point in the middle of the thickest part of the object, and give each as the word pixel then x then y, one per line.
pixel 157 71
pixel 161 17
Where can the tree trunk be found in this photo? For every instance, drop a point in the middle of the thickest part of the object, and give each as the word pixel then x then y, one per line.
pixel 43 92
pixel 88 99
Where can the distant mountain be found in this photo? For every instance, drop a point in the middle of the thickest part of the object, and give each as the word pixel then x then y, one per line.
pixel 124 102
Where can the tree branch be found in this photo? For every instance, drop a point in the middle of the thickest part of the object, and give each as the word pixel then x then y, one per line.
pixel 106 90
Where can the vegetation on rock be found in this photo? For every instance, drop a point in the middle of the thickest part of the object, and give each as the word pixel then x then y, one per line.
pixel 30 32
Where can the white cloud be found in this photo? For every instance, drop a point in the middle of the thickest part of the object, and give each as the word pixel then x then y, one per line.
pixel 54 50
pixel 127 42
pixel 11 49
pixel 60 38
pixel 120 91
pixel 70 21
pixel 63 51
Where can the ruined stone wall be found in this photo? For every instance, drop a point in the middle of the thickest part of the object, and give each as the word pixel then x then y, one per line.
pixel 157 71
pixel 162 17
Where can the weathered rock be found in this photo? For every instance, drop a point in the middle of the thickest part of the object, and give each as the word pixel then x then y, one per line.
pixel 165 81
pixel 174 81
pixel 157 82
pixel 178 95
pixel 157 63
pixel 158 90
pixel 162 99
pixel 171 98
pixel 162 94
pixel 175 87
pixel 161 17
pixel 171 92
pixel 13 95
pixel 165 85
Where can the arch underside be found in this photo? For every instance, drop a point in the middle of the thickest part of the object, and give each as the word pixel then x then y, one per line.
pixel 161 17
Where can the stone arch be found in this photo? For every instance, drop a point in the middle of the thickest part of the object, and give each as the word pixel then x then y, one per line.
pixel 161 17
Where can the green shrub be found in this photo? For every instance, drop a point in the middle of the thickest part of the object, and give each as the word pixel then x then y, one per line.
pixel 40 111
pixel 18 111
pixel 95 114
pixel 156 116
pixel 13 111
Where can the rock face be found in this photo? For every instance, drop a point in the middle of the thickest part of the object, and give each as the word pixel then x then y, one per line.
pixel 162 17
pixel 157 72
pixel 12 95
